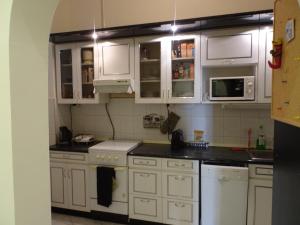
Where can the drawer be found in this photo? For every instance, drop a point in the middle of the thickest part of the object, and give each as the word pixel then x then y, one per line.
pixel 181 165
pixel 181 185
pixel 144 208
pixel 145 162
pixel 144 182
pixel 180 212
pixel 71 157
pixel 261 171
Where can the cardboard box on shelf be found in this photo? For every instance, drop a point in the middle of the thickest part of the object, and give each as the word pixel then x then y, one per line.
pixel 190 50
pixel 183 50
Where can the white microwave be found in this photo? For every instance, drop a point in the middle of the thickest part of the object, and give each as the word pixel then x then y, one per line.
pixel 232 88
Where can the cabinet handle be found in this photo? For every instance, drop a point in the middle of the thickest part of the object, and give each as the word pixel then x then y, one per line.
pixel 144 175
pixel 64 173
pixel 69 174
pixel 182 178
pixel 145 200
pixel 180 165
pixel 181 205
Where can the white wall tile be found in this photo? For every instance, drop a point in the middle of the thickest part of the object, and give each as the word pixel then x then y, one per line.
pixel 221 126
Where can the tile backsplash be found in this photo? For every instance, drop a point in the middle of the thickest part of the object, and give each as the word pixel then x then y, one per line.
pixel 223 126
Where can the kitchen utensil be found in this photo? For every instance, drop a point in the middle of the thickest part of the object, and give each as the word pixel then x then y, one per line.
pixel 170 123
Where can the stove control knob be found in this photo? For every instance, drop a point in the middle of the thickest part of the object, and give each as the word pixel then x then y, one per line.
pixel 109 157
pixel 102 157
pixel 98 156
pixel 116 158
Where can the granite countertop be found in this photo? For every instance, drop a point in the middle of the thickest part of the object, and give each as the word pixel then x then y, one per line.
pixel 81 148
pixel 213 154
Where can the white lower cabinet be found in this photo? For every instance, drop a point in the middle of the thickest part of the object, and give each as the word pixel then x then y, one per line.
pixel 69 186
pixel 260 195
pixel 180 212
pixel 167 193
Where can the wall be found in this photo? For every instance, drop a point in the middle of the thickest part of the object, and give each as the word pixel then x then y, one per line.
pixel 226 127
pixel 72 15
pixel 24 161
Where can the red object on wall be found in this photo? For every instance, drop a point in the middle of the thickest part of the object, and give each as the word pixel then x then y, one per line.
pixel 276 52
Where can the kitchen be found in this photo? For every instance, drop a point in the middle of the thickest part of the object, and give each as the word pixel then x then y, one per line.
pixel 168 122
pixel 117 91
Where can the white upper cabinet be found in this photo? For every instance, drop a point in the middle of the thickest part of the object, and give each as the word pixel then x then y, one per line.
pixel 183 69
pixel 264 71
pixel 76 68
pixel 150 67
pixel 117 59
pixel 168 69
pixel 229 47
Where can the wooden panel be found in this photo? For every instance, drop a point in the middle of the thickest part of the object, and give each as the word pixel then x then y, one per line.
pixel 286 80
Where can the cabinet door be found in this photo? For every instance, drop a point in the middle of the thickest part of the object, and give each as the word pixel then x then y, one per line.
pixel 145 208
pixel 181 185
pixel 87 62
pixel 66 74
pixel 78 187
pixel 229 47
pixel 150 68
pixel 183 75
pixel 144 182
pixel 117 59
pixel 264 71
pixel 59 187
pixel 260 202
pixel 180 212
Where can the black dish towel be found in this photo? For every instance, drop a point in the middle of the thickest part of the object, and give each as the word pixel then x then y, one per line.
pixel 105 176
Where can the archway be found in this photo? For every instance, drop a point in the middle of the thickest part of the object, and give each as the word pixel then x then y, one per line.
pixel 24 161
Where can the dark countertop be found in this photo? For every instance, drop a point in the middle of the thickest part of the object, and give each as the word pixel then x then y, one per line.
pixel 82 148
pixel 220 154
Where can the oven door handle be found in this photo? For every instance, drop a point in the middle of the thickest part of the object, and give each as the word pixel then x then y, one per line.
pixel 119 168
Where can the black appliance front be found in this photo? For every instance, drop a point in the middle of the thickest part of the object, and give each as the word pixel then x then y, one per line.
pixel 286 181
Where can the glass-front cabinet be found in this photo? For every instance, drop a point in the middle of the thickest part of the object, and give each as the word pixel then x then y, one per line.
pixel 167 69
pixel 77 66
pixel 150 70
pixel 183 74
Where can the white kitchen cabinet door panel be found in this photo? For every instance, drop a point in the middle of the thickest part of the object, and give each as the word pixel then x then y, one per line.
pixel 78 187
pixel 58 185
pixel 230 47
pixel 180 185
pixel 144 208
pixel 260 202
pixel 264 70
pixel 180 212
pixel 117 59
pixel 145 182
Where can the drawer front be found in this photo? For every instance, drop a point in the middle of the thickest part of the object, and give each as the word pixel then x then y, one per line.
pixel 180 185
pixel 144 182
pixel 145 162
pixel 144 208
pixel 68 157
pixel 180 212
pixel 181 165
pixel 261 171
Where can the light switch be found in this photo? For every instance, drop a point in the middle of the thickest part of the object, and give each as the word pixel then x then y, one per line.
pixel 290 30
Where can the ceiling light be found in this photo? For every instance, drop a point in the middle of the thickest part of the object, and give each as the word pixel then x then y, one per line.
pixel 174 28
pixel 94 35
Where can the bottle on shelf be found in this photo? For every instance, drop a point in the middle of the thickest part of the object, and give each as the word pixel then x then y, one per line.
pixel 261 141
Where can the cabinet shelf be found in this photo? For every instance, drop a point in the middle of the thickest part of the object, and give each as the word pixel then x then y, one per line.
pixel 150 81
pixel 182 80
pixel 149 60
pixel 183 59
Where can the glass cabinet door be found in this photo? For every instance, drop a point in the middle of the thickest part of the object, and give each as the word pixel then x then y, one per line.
pixel 182 68
pixel 87 71
pixel 150 70
pixel 66 73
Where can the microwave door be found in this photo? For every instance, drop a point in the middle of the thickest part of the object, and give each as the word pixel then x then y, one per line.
pixel 227 89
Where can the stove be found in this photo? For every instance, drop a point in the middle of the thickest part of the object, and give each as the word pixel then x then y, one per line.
pixel 111 154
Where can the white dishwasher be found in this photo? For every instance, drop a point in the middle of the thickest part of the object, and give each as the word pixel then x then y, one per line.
pixel 224 191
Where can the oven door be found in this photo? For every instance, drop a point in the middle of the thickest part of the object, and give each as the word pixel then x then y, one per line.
pixel 227 89
pixel 120 193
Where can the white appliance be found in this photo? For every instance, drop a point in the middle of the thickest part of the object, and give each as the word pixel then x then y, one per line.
pixel 224 192
pixel 113 86
pixel 111 154
pixel 232 88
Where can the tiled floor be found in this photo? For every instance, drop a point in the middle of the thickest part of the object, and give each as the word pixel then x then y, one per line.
pixel 60 219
